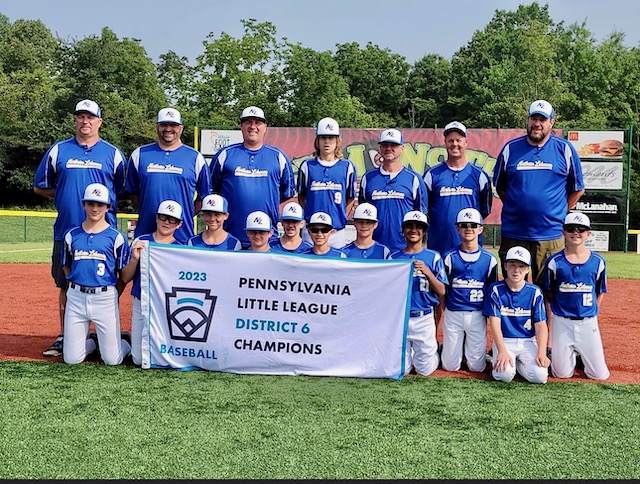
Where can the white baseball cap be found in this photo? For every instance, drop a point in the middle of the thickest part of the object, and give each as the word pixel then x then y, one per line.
pixel 391 136
pixel 456 126
pixel 541 107
pixel 169 116
pixel 292 211
pixel 88 106
pixel 469 215
pixel 328 127
pixel 415 216
pixel 321 218
pixel 258 220
pixel 96 192
pixel 170 208
pixel 366 211
pixel 252 112
pixel 577 218
pixel 520 254
pixel 215 203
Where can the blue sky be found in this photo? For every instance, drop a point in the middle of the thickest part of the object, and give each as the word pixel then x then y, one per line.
pixel 411 28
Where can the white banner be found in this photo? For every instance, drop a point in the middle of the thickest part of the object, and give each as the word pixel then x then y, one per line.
pixel 606 175
pixel 213 140
pixel 273 313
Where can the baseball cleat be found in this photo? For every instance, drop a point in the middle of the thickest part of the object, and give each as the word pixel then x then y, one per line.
pixel 96 353
pixel 55 349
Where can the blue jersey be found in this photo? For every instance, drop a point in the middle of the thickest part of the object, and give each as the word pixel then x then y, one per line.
pixel 327 186
pixel 536 183
pixel 303 248
pixel 251 180
pixel 155 175
pixel 518 311
pixel 422 298
pixel 376 251
pixel 394 196
pixel 449 191
pixel 333 252
pixel 95 259
pixel 135 286
pixel 230 243
pixel 69 167
pixel 470 274
pixel 575 287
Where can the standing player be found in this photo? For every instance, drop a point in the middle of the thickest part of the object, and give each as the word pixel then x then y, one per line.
pixel 429 281
pixel 320 229
pixel 168 221
pixel 167 170
pixel 66 169
pixel 365 220
pixel 394 190
pixel 575 282
pixel 517 317
pixel 470 269
pixel 452 186
pixel 94 255
pixel 327 182
pixel 292 220
pixel 259 230
pixel 252 175
pixel 215 210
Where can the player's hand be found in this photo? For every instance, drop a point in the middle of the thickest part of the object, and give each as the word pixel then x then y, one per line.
pixel 136 249
pixel 542 359
pixel 420 265
pixel 503 361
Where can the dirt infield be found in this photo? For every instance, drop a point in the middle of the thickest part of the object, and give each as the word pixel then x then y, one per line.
pixel 29 321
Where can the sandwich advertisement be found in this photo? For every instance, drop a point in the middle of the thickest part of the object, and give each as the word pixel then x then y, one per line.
pixel 600 145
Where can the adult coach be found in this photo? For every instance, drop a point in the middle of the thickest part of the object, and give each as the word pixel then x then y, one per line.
pixel 167 170
pixel 66 169
pixel 252 175
pixel 538 177
pixel 452 186
pixel 394 190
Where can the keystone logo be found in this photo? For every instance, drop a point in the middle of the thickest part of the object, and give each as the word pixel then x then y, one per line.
pixel 189 313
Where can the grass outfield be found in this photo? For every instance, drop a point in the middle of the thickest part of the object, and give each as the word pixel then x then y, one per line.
pixel 91 421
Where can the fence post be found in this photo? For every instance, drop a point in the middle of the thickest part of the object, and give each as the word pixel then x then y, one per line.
pixel 25 228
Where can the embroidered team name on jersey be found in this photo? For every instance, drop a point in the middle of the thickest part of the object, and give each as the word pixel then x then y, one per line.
pixel 466 283
pixel 453 191
pixel 318 186
pixel 383 194
pixel 159 168
pixel 579 287
pixel 253 173
pixel 89 255
pixel 73 163
pixel 517 312
pixel 533 165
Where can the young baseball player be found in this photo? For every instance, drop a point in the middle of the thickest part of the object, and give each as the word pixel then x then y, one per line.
pixel 365 220
pixel 320 229
pixel 215 210
pixel 292 220
pixel 168 220
pixel 575 282
pixel 94 255
pixel 518 322
pixel 470 269
pixel 259 230
pixel 429 280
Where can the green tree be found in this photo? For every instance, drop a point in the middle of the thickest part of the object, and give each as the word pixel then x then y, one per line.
pixel 427 91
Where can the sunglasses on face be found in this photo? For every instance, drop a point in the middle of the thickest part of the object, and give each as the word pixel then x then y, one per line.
pixel 319 230
pixel 575 228
pixel 166 218
pixel 468 225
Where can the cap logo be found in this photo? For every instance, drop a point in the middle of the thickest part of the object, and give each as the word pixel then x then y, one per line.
pixel 170 114
pixel 467 215
pixel 253 111
pixel 519 252
pixel 86 104
pixel 257 220
pixel 171 208
pixel 97 192
pixel 367 212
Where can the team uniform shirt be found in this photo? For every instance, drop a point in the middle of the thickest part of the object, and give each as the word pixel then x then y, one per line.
pixel 376 251
pixel 536 182
pixel 518 310
pixel 394 196
pixel 470 274
pixel 327 185
pixel 575 287
pixel 135 286
pixel 303 248
pixel 69 167
pixel 95 259
pixel 333 252
pixel 230 243
pixel 449 191
pixel 251 180
pixel 422 298
pixel 155 175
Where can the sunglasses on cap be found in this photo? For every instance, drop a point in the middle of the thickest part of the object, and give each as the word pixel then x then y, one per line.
pixel 468 225
pixel 167 218
pixel 575 228
pixel 317 230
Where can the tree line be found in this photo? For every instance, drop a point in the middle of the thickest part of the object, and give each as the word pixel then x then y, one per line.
pixel 518 57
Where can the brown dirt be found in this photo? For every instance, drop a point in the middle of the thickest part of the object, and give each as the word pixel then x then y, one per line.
pixel 29 321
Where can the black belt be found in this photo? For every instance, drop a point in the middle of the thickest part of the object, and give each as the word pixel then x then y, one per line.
pixel 574 318
pixel 417 314
pixel 88 290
